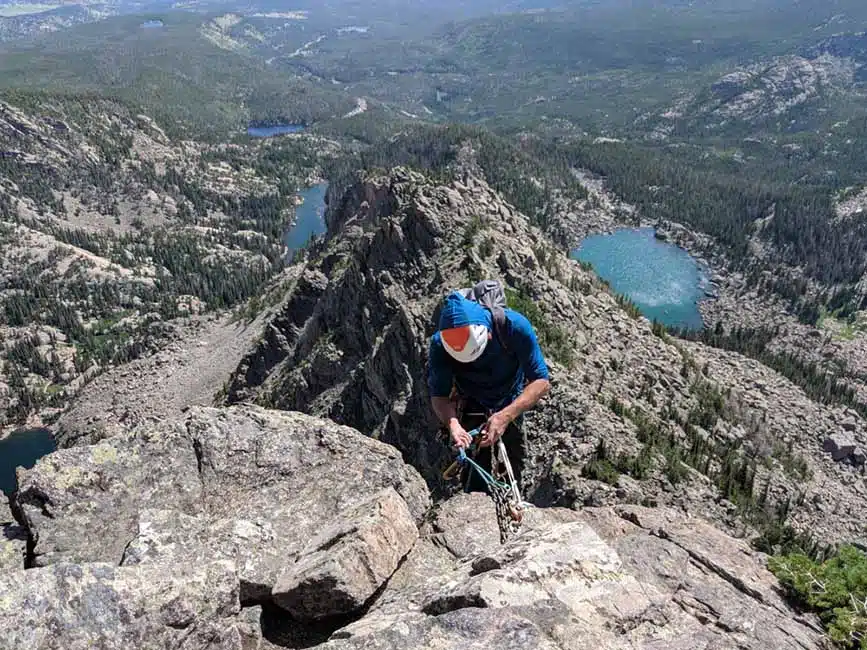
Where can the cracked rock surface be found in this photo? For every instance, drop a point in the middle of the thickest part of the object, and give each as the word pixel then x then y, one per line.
pixel 13 541
pixel 101 607
pixel 604 578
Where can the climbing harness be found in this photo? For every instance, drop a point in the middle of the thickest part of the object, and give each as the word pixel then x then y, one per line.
pixel 501 485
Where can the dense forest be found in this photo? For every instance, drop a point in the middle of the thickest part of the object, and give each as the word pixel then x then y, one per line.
pixel 797 219
pixel 525 179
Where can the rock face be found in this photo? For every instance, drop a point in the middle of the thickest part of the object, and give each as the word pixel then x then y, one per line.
pixel 102 607
pixel 74 496
pixel 242 485
pixel 349 342
pixel 772 88
pixel 13 541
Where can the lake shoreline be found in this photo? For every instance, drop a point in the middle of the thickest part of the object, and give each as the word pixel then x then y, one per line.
pixel 265 130
pixel 602 213
pixel 34 421
pixel 732 302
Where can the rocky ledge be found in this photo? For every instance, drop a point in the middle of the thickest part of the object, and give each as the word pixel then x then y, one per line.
pixel 243 528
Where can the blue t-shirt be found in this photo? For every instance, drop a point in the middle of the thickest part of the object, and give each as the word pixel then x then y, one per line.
pixel 497 377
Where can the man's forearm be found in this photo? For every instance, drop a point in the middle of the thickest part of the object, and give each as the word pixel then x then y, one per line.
pixel 533 392
pixel 445 410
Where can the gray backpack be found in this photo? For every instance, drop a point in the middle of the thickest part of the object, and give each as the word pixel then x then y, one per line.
pixel 491 295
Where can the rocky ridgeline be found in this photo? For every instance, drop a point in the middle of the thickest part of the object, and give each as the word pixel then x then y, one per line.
pixel 350 340
pixel 777 87
pixel 244 528
pixel 29 25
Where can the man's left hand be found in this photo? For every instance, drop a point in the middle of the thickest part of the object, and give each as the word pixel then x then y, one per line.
pixel 495 428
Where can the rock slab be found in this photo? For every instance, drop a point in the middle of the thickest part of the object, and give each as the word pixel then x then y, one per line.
pixel 75 496
pixel 603 578
pixel 100 607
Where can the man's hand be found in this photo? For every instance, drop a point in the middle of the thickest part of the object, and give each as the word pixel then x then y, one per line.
pixel 459 436
pixel 495 428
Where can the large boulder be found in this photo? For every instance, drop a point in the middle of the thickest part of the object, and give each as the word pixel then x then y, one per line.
pixel 82 504
pixel 100 607
pixel 273 481
pixel 843 446
pixel 243 484
pixel 293 469
pixel 347 563
pixel 13 541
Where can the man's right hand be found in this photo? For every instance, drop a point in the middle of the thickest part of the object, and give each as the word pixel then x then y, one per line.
pixel 460 437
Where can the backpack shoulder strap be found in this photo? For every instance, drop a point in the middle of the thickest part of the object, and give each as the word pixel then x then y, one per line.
pixel 502 326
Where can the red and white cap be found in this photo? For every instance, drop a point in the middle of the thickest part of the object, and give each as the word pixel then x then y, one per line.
pixel 466 343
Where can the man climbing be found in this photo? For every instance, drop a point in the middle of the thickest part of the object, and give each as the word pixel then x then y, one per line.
pixel 485 369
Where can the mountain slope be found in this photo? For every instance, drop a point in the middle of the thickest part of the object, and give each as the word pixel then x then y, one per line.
pixel 662 451
pixel 111 229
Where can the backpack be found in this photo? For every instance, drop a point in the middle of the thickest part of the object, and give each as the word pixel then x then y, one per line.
pixel 491 295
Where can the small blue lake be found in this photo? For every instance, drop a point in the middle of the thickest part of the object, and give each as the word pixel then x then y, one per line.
pixel 663 280
pixel 22 448
pixel 152 24
pixel 309 218
pixel 270 131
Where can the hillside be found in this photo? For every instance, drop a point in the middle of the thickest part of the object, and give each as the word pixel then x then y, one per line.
pixel 111 230
pixel 181 73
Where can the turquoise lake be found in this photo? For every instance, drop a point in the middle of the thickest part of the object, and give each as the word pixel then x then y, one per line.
pixel 309 219
pixel 270 131
pixel 22 448
pixel 663 280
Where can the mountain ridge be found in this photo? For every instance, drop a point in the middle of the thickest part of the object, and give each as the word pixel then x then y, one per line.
pixel 633 382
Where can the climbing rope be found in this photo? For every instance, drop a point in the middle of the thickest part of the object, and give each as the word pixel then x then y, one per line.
pixel 505 494
pixel 487 477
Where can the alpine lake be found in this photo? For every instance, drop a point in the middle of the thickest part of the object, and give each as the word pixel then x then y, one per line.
pixel 664 281
pixel 22 448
